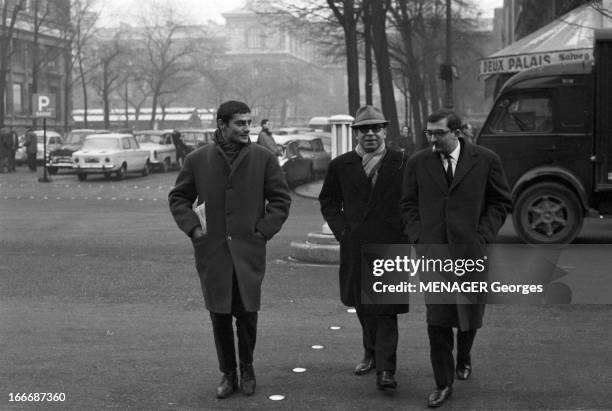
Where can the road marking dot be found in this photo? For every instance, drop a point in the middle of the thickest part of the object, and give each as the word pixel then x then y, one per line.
pixel 58 198
pixel 317 347
pixel 276 397
pixel 140 199
pixel 155 199
pixel 334 327
pixel 351 310
pixel 113 198
pixel 299 370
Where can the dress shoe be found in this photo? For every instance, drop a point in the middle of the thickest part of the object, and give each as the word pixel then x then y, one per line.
pixel 365 366
pixel 228 384
pixel 438 397
pixel 463 371
pixel 385 379
pixel 247 379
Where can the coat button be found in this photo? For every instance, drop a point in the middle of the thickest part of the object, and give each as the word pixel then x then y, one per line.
pixel 229 238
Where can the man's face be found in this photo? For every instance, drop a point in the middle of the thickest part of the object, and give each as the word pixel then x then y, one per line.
pixel 238 128
pixel 266 125
pixel 371 136
pixel 442 139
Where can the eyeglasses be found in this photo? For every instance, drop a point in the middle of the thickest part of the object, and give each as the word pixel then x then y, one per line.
pixel 374 127
pixel 437 133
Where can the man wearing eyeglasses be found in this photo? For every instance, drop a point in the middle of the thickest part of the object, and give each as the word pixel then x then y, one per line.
pixel 359 200
pixel 454 193
pixel 243 201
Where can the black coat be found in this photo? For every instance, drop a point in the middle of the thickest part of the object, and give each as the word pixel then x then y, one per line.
pixel 467 215
pixel 358 214
pixel 250 196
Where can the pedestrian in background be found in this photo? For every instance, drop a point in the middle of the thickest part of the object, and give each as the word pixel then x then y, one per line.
pixel 454 193
pixel 246 201
pixel 5 149
pixel 13 151
pixel 265 138
pixel 181 148
pixel 31 144
pixel 360 202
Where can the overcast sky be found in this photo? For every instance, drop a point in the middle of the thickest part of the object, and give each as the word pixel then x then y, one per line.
pixel 200 11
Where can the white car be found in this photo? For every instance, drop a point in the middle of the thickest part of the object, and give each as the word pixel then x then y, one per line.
pixel 110 153
pixel 54 141
pixel 162 153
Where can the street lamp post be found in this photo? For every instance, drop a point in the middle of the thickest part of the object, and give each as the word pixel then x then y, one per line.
pixel 449 59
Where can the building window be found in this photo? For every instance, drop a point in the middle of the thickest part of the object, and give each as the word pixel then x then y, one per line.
pixel 17 98
pixel 255 38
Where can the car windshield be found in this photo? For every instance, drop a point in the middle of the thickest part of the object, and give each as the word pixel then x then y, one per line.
pixel 77 137
pixel 149 138
pixel 40 138
pixel 101 143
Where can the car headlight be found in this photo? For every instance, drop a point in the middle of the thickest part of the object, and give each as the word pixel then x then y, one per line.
pixel 76 159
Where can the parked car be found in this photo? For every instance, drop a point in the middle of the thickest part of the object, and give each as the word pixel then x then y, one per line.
pixel 110 153
pixel 308 147
pixel 162 153
pixel 54 141
pixel 195 138
pixel 61 157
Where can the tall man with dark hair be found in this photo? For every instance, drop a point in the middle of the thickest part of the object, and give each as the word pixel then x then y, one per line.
pixel 245 201
pixel 454 193
pixel 265 137
pixel 360 202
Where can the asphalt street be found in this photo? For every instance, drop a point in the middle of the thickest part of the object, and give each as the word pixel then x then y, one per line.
pixel 100 301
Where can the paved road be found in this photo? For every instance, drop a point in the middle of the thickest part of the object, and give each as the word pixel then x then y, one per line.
pixel 100 300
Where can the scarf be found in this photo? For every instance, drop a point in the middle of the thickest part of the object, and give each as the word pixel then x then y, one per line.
pixel 371 162
pixel 229 148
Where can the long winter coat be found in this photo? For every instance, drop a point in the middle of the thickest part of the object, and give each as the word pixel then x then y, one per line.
pixel 235 197
pixel 468 213
pixel 358 214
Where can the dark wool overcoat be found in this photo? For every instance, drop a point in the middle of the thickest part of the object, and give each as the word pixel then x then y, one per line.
pixel 466 216
pixel 359 214
pixel 247 197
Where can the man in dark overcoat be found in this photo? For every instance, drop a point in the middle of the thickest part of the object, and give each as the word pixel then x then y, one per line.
pixel 246 200
pixel 360 202
pixel 454 193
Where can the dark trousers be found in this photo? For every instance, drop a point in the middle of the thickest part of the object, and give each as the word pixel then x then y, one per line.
pixel 246 329
pixel 441 352
pixel 380 339
pixel 11 160
pixel 32 161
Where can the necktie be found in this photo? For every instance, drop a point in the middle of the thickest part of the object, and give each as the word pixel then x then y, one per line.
pixel 449 169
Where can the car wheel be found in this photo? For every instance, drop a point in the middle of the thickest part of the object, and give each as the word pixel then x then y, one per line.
pixel 147 169
pixel 122 172
pixel 164 166
pixel 547 213
pixel 52 170
pixel 82 176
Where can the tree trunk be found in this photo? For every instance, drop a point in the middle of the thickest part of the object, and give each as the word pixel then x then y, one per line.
pixel 105 97
pixel 383 67
pixel 352 58
pixel 367 32
pixel 154 109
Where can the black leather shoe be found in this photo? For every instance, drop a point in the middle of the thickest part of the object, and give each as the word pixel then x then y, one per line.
pixel 463 371
pixel 228 384
pixel 365 366
pixel 438 397
pixel 385 379
pixel 247 379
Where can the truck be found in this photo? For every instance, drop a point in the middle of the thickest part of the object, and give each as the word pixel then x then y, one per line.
pixel 552 128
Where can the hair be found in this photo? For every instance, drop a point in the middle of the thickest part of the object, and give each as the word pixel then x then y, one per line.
pixel 453 121
pixel 226 110
pixel 264 121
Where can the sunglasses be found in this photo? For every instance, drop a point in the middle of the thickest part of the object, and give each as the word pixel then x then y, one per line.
pixel 437 133
pixel 374 127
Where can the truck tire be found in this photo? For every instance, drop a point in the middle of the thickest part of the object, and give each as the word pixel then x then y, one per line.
pixel 82 176
pixel 547 213
pixel 52 170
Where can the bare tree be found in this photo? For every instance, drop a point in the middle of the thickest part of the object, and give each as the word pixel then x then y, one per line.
pixel 167 67
pixel 10 11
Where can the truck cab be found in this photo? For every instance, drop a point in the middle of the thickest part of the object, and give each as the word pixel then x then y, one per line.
pixel 547 125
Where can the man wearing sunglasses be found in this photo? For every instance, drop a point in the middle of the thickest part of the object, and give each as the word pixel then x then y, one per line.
pixel 455 194
pixel 359 200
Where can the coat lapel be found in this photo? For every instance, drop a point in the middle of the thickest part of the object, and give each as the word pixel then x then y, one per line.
pixel 434 167
pixel 241 155
pixel 356 174
pixel 467 159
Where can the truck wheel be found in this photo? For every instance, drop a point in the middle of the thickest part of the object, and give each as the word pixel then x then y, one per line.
pixel 82 176
pixel 52 170
pixel 547 213
pixel 122 172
